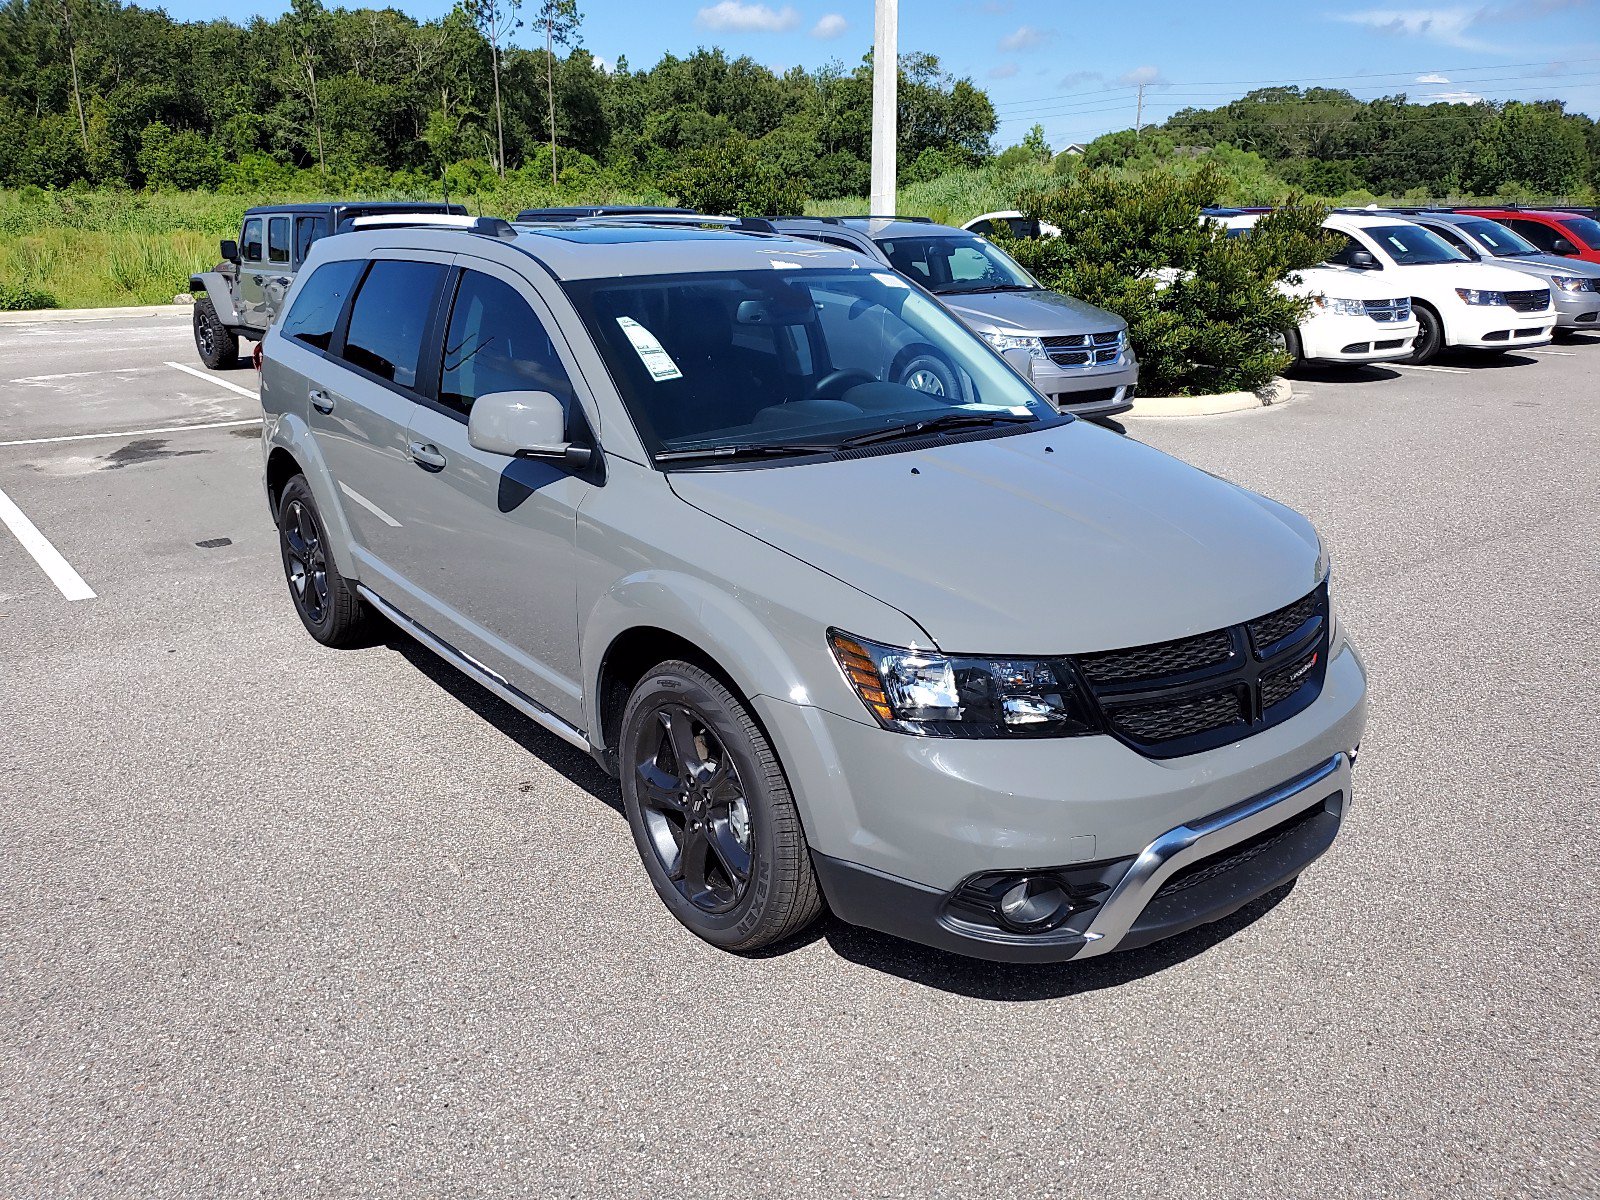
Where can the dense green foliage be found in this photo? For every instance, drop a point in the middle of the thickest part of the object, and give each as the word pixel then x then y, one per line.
pixel 1218 325
pixel 366 100
pixel 1325 141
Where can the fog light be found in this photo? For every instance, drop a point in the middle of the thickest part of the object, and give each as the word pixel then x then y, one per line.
pixel 1034 902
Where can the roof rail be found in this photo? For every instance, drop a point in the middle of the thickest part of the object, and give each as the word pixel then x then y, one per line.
pixel 496 227
pixel 682 221
pixel 877 217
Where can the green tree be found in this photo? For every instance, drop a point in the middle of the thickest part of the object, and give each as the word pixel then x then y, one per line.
pixel 560 19
pixel 496 20
pixel 737 179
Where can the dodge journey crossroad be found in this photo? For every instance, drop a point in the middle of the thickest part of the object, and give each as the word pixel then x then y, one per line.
pixel 954 665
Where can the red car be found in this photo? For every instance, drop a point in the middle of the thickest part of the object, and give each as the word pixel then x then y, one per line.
pixel 1570 234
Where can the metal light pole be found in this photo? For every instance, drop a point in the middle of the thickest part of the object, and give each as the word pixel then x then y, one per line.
pixel 885 91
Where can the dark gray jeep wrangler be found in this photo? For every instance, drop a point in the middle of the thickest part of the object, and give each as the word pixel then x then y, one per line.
pixel 241 296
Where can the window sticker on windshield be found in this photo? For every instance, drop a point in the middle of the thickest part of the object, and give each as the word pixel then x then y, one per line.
pixel 1016 410
pixel 784 266
pixel 655 359
pixel 888 280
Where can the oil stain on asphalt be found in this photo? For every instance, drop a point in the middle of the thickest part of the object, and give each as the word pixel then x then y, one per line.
pixel 142 450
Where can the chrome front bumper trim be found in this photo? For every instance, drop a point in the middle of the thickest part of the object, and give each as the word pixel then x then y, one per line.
pixel 1178 848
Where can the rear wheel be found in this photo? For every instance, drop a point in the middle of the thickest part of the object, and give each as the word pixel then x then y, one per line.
pixel 217 345
pixel 327 603
pixel 927 371
pixel 711 812
pixel 1430 335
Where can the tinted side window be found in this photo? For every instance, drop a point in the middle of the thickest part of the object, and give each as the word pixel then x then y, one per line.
pixel 1455 239
pixel 1342 258
pixel 316 309
pixel 278 240
pixel 1541 236
pixel 495 344
pixel 250 243
pixel 390 315
pixel 306 231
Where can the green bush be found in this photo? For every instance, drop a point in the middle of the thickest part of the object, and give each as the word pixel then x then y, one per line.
pixel 1218 326
pixel 14 298
pixel 737 179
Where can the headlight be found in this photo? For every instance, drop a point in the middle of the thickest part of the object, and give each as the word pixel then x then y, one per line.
pixel 936 695
pixel 1323 562
pixel 1575 283
pixel 1012 341
pixel 1349 308
pixel 1474 296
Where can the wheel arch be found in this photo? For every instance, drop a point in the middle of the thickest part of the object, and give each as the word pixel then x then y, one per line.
pixel 221 296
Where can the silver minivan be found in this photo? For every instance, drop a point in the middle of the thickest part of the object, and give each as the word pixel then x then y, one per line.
pixel 955 666
pixel 1076 354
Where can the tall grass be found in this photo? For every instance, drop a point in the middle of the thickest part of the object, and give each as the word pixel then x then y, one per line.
pixel 77 269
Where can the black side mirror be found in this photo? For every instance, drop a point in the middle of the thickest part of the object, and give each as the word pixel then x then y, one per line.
pixel 1562 246
pixel 230 251
pixel 1363 260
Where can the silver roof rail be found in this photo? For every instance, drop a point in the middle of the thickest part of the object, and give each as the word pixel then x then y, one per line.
pixel 487 226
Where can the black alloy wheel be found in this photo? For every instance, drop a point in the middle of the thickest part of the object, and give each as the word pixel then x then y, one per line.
pixel 305 561
pixel 1430 336
pixel 327 603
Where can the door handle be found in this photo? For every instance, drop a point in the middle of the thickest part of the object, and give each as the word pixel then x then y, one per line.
pixel 255 279
pixel 425 454
pixel 321 400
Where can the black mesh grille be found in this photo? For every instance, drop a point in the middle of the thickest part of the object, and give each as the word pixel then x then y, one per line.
pixel 1234 857
pixel 1276 626
pixel 1528 301
pixel 1280 685
pixel 1070 358
pixel 1107 339
pixel 1067 339
pixel 1167 722
pixel 1163 658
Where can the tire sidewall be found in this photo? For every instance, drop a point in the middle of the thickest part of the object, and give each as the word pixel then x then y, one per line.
pixel 667 684
pixel 931 361
pixel 1430 337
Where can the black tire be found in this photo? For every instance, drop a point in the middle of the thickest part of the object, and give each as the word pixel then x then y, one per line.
pixel 1430 335
pixel 687 815
pixel 928 371
pixel 327 603
pixel 217 345
pixel 1564 333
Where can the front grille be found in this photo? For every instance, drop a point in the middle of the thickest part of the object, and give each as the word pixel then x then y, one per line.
pixel 1194 693
pixel 1170 721
pixel 1084 349
pixel 1071 358
pixel 1058 341
pixel 1107 339
pixel 1085 396
pixel 1276 626
pixel 1389 310
pixel 1536 301
pixel 1163 658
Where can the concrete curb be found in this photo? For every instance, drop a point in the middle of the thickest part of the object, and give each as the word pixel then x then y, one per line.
pixel 1276 392
pixel 36 316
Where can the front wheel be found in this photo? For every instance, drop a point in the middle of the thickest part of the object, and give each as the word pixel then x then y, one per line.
pixel 216 344
pixel 928 372
pixel 1430 336
pixel 711 812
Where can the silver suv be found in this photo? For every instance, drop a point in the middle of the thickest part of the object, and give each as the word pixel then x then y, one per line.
pixel 1076 354
pixel 959 666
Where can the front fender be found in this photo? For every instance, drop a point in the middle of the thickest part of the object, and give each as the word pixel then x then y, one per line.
pixel 215 286
pixel 288 431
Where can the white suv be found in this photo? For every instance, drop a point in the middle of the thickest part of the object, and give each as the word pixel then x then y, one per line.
pixel 1456 302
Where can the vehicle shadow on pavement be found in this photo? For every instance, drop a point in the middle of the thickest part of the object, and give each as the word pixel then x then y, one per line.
pixel 573 764
pixel 1315 373
pixel 1484 360
pixel 1014 982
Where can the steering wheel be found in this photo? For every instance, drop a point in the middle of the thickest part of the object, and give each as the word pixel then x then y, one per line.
pixel 835 377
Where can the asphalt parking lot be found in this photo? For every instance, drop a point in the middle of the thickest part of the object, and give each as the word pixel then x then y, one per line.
pixel 279 920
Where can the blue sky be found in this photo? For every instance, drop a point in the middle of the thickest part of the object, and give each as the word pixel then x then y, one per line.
pixel 1073 65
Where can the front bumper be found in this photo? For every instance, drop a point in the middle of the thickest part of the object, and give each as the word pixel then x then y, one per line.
pixel 898 824
pixel 1346 338
pixel 1497 327
pixel 1088 391
pixel 1576 310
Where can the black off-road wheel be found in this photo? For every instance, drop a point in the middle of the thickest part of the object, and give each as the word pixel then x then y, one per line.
pixel 217 345
pixel 328 604
pixel 711 812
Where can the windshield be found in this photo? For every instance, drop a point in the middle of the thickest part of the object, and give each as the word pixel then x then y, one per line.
pixel 947 265
pixel 1412 245
pixel 1587 229
pixel 1498 240
pixel 793 361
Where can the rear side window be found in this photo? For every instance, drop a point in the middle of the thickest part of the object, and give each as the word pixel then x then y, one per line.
pixel 316 309
pixel 278 240
pixel 495 343
pixel 389 317
pixel 250 243
pixel 1539 234
pixel 306 231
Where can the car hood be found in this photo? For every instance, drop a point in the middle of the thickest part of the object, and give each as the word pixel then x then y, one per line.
pixel 1041 313
pixel 1457 275
pixel 1548 266
pixel 1346 283
pixel 1061 541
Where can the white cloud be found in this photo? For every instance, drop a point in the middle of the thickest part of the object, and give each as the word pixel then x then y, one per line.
pixel 829 27
pixel 1004 71
pixel 1456 98
pixel 731 16
pixel 1432 77
pixel 1026 37
pixel 1446 25
pixel 1149 76
pixel 1073 78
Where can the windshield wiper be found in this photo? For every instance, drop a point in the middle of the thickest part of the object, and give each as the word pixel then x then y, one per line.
pixel 986 287
pixel 743 450
pixel 966 420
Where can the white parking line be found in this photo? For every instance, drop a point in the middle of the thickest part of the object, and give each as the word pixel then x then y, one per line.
pixel 127 433
pixel 74 375
pixel 61 574
pixel 1422 367
pixel 199 374
pixel 1560 353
